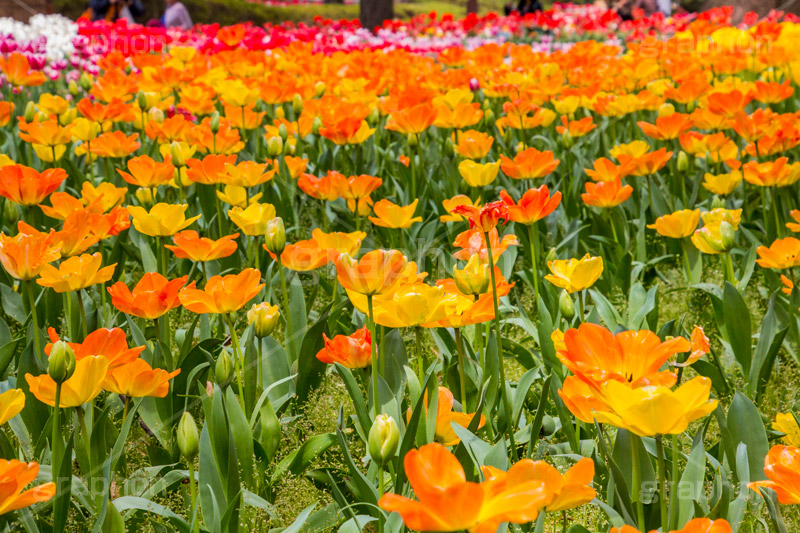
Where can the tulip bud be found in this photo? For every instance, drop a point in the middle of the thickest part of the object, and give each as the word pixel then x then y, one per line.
pixel 373 117
pixel 474 84
pixel 145 196
pixel 412 140
pixel 690 106
pixel 275 236
pixel 86 81
pixel 551 255
pixel 155 114
pixel 474 278
pixel 141 99
pixel 666 110
pixel 488 116
pixel 188 436
pixel 486 105
pixel 316 124
pixel 264 318
pixel 384 437
pixel 73 88
pixel 283 132
pixel 566 139
pixel 716 203
pixel 61 364
pixel 280 113
pixel 274 146
pixel 566 305
pixel 30 111
pixel 297 104
pixel 727 234
pixel 683 161
pixel 449 147
pixel 177 154
pixel 289 148
pixel 11 212
pixel 214 125
pixel 319 88
pixel 270 430
pixel 223 370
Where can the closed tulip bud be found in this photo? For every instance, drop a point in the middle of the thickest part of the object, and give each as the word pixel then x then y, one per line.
pixel 474 278
pixel 412 140
pixel 274 146
pixel 373 117
pixel 474 84
pixel 155 114
pixel 283 132
pixel 61 364
pixel 716 203
pixel 188 437
pixel 566 305
pixel 177 154
pixel 666 110
pixel 384 437
pixel 270 430
pixel 488 116
pixel 551 255
pixel 275 236
pixel 288 149
pixel 449 147
pixel 86 81
pixel 316 124
pixel 319 89
pixel 141 99
pixel 30 111
pixel 486 105
pixel 683 161
pixel 264 318
pixel 690 106
pixel 223 370
pixel 728 235
pixel 11 212
pixel 566 139
pixel 73 88
pixel 297 104
pixel 280 113
pixel 145 196
pixel 260 106
pixel 214 125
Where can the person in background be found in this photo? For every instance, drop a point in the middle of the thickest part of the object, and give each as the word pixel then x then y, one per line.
pixel 177 16
pixel 113 10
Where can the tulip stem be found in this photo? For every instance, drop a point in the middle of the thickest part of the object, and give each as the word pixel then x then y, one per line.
pixel 563 522
pixel 462 381
pixel 582 306
pixel 673 491
pixel 195 524
pixel 533 232
pixel 662 481
pixel 127 406
pixel 288 313
pixel 37 342
pixel 503 391
pixel 686 261
pixel 219 213
pixel 373 355
pixel 636 481
pixel 729 275
pixel 82 310
pixel 55 445
pixel 237 357
pixel 418 352
pixel 776 213
pixel 380 495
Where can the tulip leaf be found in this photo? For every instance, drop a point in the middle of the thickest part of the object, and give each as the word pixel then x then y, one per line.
pixel 300 459
pixel 242 436
pixel 363 422
pixel 770 339
pixel 745 427
pixel 309 368
pixel 738 326
pixel 691 483
pixel 12 304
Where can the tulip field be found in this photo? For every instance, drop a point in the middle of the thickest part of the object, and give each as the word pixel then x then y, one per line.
pixel 485 274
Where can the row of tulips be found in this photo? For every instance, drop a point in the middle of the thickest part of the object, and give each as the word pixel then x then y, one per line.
pixel 584 257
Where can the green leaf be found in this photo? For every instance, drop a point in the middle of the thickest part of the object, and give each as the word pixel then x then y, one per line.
pixel 745 427
pixel 737 326
pixel 242 437
pixel 363 423
pixel 127 503
pixel 309 368
pixel 691 483
pixel 300 459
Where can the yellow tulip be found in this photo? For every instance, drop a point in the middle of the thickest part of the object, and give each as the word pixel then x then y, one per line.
pixel 784 422
pixel 84 385
pixel 45 153
pixel 11 403
pixel 163 220
pixel 237 196
pixel 677 225
pixel 575 274
pixel 76 273
pixel 714 239
pixel 477 174
pixel 389 215
pixel 722 184
pixel 253 220
pixel 655 410
pixel 413 305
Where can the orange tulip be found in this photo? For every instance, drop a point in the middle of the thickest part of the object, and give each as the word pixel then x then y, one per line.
pixel 596 355
pixel 26 186
pixel 776 173
pixel 349 243
pixel 781 254
pixel 571 490
pixel 83 386
pixel 25 255
pixel 45 133
pixel 15 476
pixel 111 344
pixel 667 127
pixel 350 351
pixel 606 194
pixel 6 113
pixel 696 525
pixel 138 379
pixel 728 103
pixel 350 130
pixel 782 468
pixel 247 174
pixel 152 297
pixel 63 204
pixel 580 398
pixel 605 170
pixel 105 195
pixel 147 172
pixel 304 256
pixel 473 144
pixel 445 416
pixel 324 188
pixel 210 170
pixel 375 273
pixel 223 294
pixel 529 164
pixel 115 144
pixel 576 128
pixel 647 164
pixel 448 502
pixel 390 215
pixel 412 120
pixel 189 245
pixel 483 218
pixel 451 203
pixel 78 233
pixel 534 205
pixel 17 69
pixel 357 187
pixel 76 273
pixel 473 241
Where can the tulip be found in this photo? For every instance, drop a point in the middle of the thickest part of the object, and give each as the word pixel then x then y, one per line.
pixel 75 273
pixel 473 144
pixel 782 468
pixel 275 236
pixel 222 294
pixel 677 225
pixel 26 186
pixel 383 441
pixel 14 476
pixel 350 351
pixel 163 220
pixel 474 278
pixel 477 174
pixel 189 245
pixel 606 194
pixel 112 344
pixel 25 255
pixel 483 218
pixel 264 319
pixel 11 403
pixel 152 297
pixel 575 275
pixel 389 215
pixel 138 379
pixel 189 445
pixel 252 220
pixel 145 172
pixel 781 254
pixel 786 423
pixel 529 164
pixel 84 385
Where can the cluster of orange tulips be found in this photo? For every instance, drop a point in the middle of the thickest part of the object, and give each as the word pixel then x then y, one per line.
pixel 560 248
